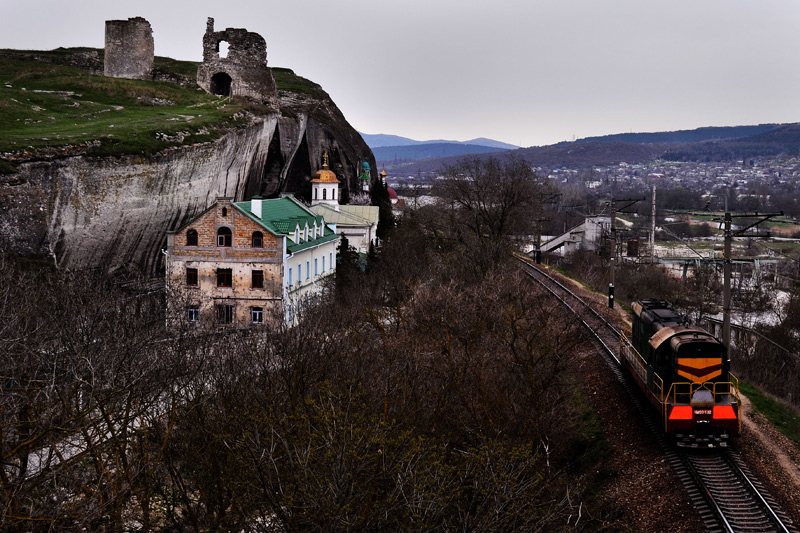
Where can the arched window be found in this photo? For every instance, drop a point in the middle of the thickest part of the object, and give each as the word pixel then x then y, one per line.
pixel 334 194
pixel 222 49
pixel 258 239
pixel 224 211
pixel 324 194
pixel 224 237
pixel 191 238
pixel 316 194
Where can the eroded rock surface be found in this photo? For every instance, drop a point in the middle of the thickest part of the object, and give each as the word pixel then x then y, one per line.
pixel 113 213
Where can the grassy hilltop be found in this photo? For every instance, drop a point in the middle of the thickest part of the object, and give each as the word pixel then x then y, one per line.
pixel 49 107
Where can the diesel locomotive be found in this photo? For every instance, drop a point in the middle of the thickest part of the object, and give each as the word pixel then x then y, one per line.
pixel 685 373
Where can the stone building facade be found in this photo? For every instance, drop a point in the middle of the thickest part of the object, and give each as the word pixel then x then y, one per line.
pixel 243 264
pixel 129 51
pixel 243 71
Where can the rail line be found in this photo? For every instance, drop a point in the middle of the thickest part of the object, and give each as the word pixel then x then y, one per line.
pixel 726 495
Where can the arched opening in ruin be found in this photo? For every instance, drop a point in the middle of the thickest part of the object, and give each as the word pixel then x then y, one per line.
pixel 222 49
pixel 221 84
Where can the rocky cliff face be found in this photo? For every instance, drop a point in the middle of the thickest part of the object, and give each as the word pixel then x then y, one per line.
pixel 113 213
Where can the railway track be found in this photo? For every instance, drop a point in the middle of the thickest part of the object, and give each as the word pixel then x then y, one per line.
pixel 726 495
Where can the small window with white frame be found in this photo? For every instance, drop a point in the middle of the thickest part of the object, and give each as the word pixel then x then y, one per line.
pixel 257 315
pixel 193 313
pixel 224 237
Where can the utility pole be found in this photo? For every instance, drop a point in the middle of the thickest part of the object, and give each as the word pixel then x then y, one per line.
pixel 537 253
pixel 613 253
pixel 726 281
pixel 630 202
pixel 653 230
pixel 726 284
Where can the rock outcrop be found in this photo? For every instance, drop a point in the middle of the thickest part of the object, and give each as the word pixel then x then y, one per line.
pixel 113 213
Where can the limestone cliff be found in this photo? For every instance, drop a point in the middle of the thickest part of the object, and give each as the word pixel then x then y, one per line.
pixel 113 213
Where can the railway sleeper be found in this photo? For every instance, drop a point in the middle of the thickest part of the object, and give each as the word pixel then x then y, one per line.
pixel 690 440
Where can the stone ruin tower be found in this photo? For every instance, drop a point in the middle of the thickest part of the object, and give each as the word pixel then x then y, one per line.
pixel 129 49
pixel 243 72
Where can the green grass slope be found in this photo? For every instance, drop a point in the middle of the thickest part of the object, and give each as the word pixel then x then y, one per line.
pixel 48 107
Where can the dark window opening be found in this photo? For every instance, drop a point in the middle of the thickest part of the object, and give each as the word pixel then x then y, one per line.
pixel 221 84
pixel 225 314
pixel 224 211
pixel 224 277
pixel 258 239
pixel 193 313
pixel 324 194
pixel 257 315
pixel 191 238
pixel 224 237
pixel 191 277
pixel 258 279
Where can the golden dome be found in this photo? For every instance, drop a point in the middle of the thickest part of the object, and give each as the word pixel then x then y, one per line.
pixel 325 175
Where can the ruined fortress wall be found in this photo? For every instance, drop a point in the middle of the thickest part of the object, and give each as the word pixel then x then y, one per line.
pixel 243 72
pixel 129 49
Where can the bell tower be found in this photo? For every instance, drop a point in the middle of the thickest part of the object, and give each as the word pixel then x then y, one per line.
pixel 325 186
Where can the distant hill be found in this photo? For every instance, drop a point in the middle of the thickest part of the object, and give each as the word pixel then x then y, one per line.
pixel 781 139
pixel 426 151
pixel 685 136
pixel 392 150
pixel 381 140
pixel 733 143
pixel 574 155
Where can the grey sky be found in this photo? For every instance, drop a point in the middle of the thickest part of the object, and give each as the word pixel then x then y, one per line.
pixel 527 72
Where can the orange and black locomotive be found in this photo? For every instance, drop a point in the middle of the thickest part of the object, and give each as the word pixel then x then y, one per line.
pixel 685 373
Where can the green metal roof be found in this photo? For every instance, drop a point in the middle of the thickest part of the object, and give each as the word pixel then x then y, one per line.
pixel 329 236
pixel 281 216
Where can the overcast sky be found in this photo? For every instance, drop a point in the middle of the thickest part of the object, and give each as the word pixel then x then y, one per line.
pixel 526 72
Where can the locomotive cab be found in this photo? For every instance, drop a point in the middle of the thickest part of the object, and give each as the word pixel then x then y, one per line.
pixel 684 370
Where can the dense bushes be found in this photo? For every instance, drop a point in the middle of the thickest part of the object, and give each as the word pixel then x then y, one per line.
pixel 433 394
